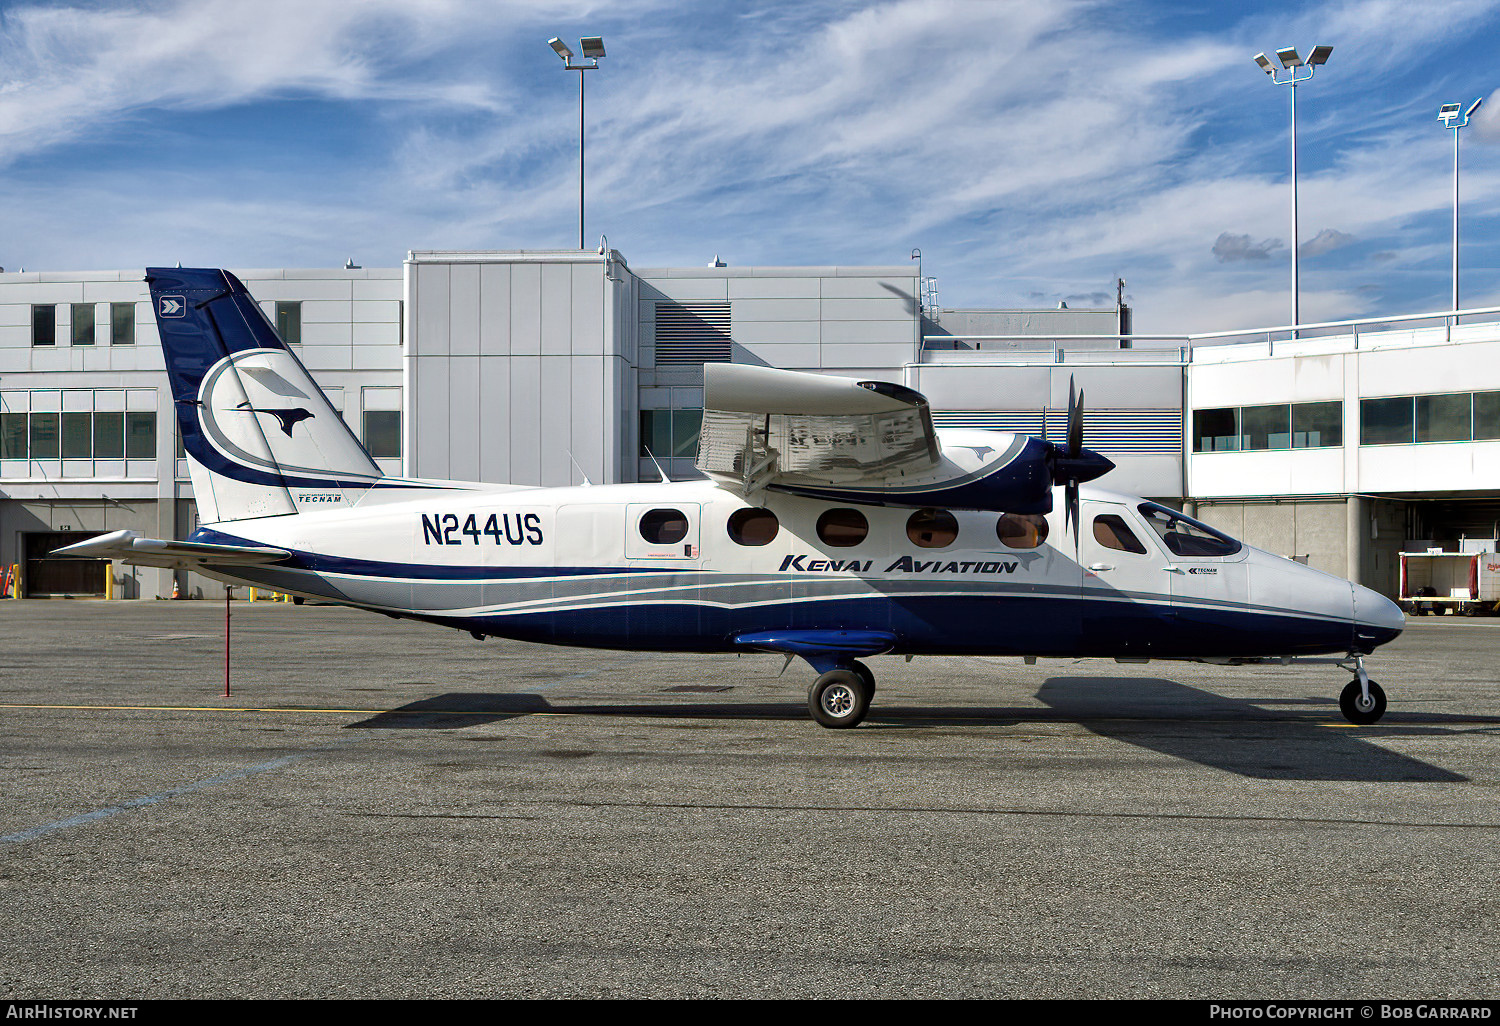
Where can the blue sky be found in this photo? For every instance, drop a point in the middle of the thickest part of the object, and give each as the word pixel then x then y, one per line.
pixel 1034 151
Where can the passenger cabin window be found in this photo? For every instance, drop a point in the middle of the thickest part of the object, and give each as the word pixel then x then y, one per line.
pixel 1111 532
pixel 1021 530
pixel 1185 536
pixel 664 526
pixel 932 528
pixel 842 528
pixel 754 525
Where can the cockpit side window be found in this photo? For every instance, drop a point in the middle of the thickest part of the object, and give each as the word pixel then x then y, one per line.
pixel 1185 536
pixel 1111 532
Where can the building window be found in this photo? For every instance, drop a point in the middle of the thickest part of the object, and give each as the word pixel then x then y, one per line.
pixel 44 436
pixel 1021 530
pixel 670 432
pixel 842 528
pixel 140 436
pixel 77 436
pixel 753 525
pixel 1216 430
pixel 1266 427
pixel 932 528
pixel 1445 418
pixel 109 436
pixel 83 324
pixel 1386 421
pixel 382 431
pixel 13 436
pixel 1487 414
pixel 44 325
pixel 92 434
pixel 1317 425
pixel 122 324
pixel 289 322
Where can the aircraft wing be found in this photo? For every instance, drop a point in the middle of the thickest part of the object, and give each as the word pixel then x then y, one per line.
pixel 764 426
pixel 131 547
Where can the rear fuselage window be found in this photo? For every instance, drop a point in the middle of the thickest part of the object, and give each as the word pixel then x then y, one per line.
pixel 664 526
pixel 1185 536
pixel 841 528
pixel 1021 530
pixel 932 528
pixel 1111 532
pixel 753 526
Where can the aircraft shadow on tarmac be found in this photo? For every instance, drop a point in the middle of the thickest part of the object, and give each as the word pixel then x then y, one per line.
pixel 1230 734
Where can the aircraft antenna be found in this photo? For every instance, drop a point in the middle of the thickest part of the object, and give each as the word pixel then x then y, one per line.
pixel 581 472
pixel 664 478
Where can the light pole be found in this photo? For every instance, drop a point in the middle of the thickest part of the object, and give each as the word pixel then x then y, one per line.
pixel 1291 62
pixel 1451 117
pixel 593 49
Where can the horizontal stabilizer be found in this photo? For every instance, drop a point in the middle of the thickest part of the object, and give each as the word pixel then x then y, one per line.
pixel 130 547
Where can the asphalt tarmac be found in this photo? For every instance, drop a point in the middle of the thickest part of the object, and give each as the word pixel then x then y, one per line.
pixel 390 809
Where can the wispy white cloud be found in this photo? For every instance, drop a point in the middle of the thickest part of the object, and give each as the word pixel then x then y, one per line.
pixel 1023 146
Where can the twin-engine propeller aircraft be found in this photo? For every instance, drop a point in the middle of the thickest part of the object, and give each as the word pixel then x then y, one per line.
pixel 834 523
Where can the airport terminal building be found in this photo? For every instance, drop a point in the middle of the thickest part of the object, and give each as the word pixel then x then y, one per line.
pixel 543 367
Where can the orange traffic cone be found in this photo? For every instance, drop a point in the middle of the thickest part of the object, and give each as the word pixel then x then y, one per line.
pixel 176 588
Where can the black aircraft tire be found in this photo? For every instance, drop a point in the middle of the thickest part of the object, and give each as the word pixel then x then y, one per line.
pixel 864 671
pixel 1349 704
pixel 838 699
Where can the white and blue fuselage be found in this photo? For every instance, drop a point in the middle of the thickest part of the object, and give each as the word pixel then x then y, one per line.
pixel 835 523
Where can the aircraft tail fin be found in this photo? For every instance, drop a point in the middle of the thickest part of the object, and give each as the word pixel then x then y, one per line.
pixel 261 438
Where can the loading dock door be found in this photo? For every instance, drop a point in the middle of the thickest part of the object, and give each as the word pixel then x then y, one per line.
pixel 45 577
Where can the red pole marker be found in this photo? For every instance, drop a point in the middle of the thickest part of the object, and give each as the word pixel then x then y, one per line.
pixel 227 592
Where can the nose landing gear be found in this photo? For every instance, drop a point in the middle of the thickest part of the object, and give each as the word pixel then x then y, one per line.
pixel 1362 700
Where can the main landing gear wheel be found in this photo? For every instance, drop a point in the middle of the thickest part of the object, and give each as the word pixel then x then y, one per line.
pixel 1356 709
pixel 864 671
pixel 839 699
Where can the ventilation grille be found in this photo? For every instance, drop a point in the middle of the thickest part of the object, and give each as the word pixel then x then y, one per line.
pixel 690 334
pixel 1122 432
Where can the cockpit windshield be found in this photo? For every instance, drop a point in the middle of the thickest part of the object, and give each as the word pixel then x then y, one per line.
pixel 1185 536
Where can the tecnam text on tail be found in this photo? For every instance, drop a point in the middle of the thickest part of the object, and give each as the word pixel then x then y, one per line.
pixel 834 523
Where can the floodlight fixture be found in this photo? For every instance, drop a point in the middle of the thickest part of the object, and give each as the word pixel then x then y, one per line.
pixel 1293 72
pixel 593 49
pixel 1455 116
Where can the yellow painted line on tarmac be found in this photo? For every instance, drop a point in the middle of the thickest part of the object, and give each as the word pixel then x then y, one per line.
pixel 276 709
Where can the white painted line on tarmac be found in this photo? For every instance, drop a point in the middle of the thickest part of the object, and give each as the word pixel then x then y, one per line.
pixel 136 803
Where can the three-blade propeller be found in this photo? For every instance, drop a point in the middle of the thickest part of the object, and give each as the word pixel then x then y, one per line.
pixel 1071 463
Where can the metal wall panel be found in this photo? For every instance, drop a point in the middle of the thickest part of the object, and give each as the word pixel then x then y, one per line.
pixel 463 310
pixel 496 429
pixel 557 309
pixel 494 310
pixel 526 310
